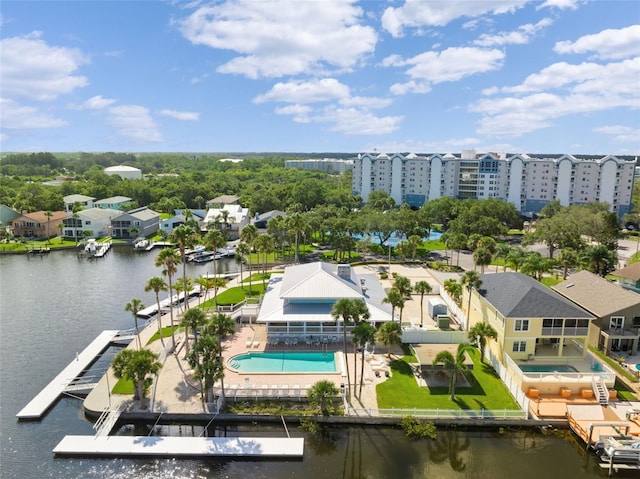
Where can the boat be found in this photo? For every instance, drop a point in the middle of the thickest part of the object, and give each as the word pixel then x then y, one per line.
pixel 204 257
pixel 141 244
pixel 39 250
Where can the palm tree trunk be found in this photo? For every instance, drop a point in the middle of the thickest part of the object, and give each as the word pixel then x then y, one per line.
pixel 346 362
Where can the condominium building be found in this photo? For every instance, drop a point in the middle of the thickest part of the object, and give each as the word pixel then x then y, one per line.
pixel 328 165
pixel 527 182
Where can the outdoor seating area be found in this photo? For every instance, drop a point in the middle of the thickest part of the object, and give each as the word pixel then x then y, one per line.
pixel 309 340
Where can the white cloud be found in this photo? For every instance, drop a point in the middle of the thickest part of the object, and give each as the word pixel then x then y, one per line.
pixel 325 89
pixel 135 123
pixel 181 115
pixel 608 44
pixel 559 4
pixel 300 113
pixel 356 121
pixel 14 116
pixel 560 90
pixel 522 35
pixel 32 69
pixel 276 38
pixel 418 13
pixel 449 65
pixel 620 133
pixel 94 103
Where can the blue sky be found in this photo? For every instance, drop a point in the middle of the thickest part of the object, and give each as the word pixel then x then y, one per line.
pixel 554 76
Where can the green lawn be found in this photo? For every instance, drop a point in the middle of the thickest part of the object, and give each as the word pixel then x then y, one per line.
pixel 549 281
pixel 402 391
pixel 123 386
pixel 236 295
pixel 166 333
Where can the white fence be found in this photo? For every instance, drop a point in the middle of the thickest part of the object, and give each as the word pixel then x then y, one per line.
pixel 512 384
pixel 439 413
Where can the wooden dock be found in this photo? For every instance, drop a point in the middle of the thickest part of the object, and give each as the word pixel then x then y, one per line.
pixel 50 393
pixel 158 446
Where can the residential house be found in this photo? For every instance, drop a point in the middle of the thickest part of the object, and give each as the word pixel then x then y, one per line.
pixel 629 277
pixel 298 302
pixel 134 223
pixel 230 219
pixel 262 220
pixel 168 225
pixel 540 337
pixel 37 224
pixel 114 203
pixel 89 223
pixel 7 215
pixel 82 201
pixel 617 311
pixel 222 200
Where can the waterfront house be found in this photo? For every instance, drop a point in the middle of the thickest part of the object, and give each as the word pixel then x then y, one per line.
pixel 89 223
pixel 168 225
pixel 541 336
pixel 230 219
pixel 139 222
pixel 262 220
pixel 82 201
pixel 114 202
pixel 629 277
pixel 37 225
pixel 297 303
pixel 616 328
pixel 222 200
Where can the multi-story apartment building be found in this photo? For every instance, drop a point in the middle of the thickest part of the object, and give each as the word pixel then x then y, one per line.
pixel 527 182
pixel 328 165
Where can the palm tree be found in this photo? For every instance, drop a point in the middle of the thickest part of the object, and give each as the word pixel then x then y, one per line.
pixel 185 237
pixel 482 257
pixel 221 325
pixel 133 307
pixel 403 285
pixel 390 334
pixel 215 239
pixel 422 288
pixel 414 241
pixel 297 225
pixel 456 365
pixel 502 251
pixel 481 332
pixel 136 365
pixel 535 265
pixel 516 257
pixel 265 245
pixel 453 289
pixel 363 334
pixel 167 259
pixel 248 235
pixel 321 392
pixel 344 309
pixel 48 214
pixel 395 299
pixel 242 252
pixel 191 319
pixel 599 259
pixel 470 279
pixel 157 284
pixel 567 258
pixel 359 313
pixel 205 362
pixel 216 284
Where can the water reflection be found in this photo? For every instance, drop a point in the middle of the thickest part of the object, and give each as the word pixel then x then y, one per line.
pixel 449 446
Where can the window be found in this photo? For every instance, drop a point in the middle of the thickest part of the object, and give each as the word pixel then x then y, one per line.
pixel 616 322
pixel 522 325
pixel 519 346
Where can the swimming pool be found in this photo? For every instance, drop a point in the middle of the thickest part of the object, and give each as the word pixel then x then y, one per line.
pixel 547 368
pixel 284 362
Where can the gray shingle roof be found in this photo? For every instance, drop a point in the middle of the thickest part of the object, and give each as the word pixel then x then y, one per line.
pixel 515 295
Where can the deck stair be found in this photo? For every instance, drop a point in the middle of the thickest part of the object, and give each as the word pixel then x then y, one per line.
pixel 600 390
pixel 107 420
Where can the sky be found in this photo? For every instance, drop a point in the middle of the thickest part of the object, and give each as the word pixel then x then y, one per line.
pixel 421 76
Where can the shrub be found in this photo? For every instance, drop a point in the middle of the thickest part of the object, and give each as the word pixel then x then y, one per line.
pixel 417 429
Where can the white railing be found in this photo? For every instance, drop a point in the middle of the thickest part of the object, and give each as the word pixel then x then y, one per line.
pixel 439 413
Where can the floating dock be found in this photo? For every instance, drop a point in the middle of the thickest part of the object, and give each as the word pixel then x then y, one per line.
pixel 159 446
pixel 45 398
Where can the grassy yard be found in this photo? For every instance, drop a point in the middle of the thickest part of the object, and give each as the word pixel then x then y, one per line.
pixel 123 386
pixel 235 295
pixel 166 333
pixel 486 392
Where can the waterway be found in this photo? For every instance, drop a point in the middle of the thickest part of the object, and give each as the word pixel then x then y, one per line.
pixel 52 306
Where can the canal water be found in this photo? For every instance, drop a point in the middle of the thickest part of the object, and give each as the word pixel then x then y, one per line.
pixel 52 306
